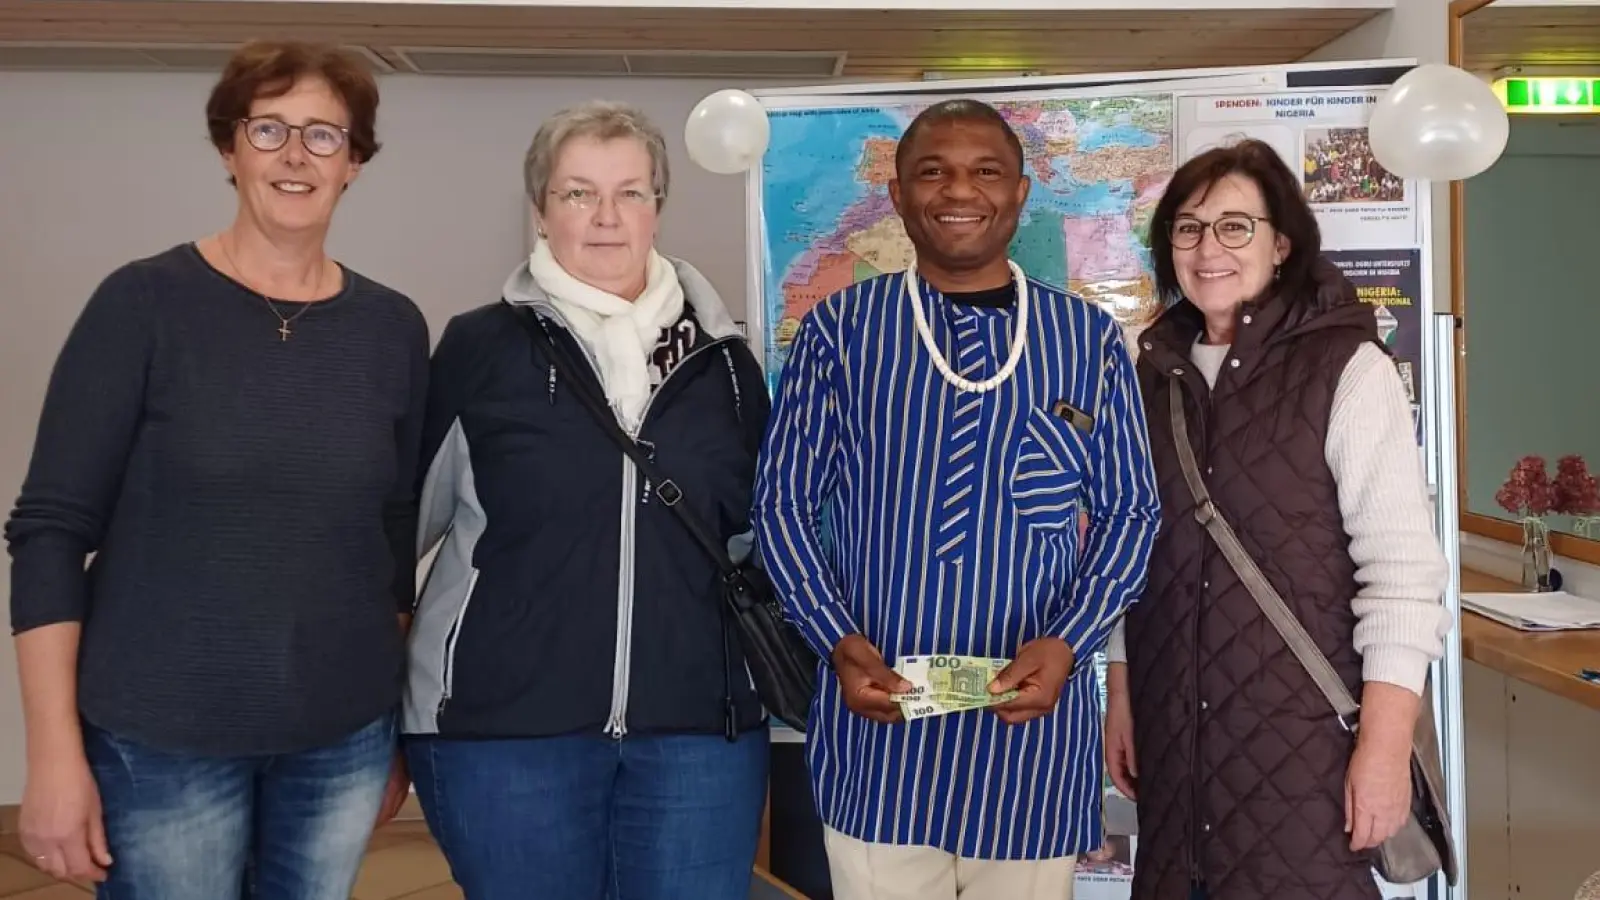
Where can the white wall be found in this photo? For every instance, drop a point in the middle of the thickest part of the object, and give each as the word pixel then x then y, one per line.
pixel 97 169
pixel 1413 28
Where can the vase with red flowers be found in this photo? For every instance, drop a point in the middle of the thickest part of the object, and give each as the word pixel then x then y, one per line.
pixel 1530 495
pixel 1578 495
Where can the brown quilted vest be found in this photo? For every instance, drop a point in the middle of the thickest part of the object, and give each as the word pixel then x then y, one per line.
pixel 1241 761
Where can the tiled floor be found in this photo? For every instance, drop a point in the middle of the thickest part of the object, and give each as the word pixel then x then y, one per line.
pixel 402 862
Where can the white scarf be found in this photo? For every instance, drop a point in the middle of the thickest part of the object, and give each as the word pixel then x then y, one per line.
pixel 620 333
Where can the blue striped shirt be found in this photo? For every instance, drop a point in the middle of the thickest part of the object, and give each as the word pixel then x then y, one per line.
pixel 952 528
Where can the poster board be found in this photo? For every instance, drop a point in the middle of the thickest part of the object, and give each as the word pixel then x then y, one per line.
pixel 1100 149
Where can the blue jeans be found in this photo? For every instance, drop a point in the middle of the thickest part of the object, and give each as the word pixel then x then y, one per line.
pixel 286 827
pixel 590 818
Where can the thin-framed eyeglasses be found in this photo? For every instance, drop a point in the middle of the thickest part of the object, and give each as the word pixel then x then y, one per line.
pixel 319 138
pixel 586 199
pixel 1234 231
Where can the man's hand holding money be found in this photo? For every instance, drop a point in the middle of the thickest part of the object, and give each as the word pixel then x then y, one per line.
pixel 1037 674
pixel 866 682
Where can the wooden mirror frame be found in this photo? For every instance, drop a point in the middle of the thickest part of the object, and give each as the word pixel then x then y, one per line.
pixel 1561 543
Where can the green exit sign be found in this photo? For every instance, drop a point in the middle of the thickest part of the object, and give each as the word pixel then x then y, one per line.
pixel 1549 95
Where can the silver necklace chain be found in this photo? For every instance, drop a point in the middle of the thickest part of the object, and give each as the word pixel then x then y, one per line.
pixel 284 331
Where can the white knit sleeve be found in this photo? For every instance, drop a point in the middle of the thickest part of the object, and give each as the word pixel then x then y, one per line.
pixel 1117 645
pixel 1401 569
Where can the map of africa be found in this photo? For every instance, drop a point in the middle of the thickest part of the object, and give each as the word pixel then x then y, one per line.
pixel 1098 166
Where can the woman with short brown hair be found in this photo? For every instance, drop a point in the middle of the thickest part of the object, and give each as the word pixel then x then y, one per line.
pixel 231 432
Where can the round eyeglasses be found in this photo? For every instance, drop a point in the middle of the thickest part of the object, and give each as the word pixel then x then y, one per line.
pixel 586 199
pixel 319 138
pixel 1233 231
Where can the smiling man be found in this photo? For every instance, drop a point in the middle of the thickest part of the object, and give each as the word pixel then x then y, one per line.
pixel 948 425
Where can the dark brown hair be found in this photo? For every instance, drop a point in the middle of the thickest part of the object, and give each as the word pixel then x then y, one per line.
pixel 1287 209
pixel 271 68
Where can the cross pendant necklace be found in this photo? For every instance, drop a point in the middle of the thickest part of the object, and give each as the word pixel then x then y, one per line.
pixel 284 331
pixel 283 324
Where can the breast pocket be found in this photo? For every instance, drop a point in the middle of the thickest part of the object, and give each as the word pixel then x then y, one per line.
pixel 1047 475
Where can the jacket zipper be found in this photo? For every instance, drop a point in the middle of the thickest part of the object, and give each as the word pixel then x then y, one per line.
pixel 448 677
pixel 616 718
pixel 427 580
pixel 621 666
pixel 621 669
pixel 621 672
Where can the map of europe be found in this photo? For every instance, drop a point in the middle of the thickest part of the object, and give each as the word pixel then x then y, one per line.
pixel 1098 167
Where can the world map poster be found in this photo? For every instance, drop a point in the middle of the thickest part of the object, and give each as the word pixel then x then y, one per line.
pixel 1098 167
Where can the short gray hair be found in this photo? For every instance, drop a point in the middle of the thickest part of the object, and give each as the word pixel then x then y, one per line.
pixel 602 120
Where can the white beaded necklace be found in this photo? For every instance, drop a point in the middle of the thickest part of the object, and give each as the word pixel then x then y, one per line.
pixel 1018 342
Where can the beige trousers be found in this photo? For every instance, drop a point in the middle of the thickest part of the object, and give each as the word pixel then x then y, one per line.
pixel 862 871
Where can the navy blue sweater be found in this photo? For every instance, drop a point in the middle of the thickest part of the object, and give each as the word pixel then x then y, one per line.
pixel 249 502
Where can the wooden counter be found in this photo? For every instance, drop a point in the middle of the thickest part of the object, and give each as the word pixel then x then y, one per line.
pixel 1548 661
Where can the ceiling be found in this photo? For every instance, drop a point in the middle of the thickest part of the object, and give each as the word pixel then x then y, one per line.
pixel 468 38
pixel 1532 36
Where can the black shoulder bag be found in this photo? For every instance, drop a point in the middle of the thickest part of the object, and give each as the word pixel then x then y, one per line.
pixel 782 664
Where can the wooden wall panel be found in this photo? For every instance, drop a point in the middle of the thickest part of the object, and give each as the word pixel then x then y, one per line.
pixel 877 43
pixel 1531 36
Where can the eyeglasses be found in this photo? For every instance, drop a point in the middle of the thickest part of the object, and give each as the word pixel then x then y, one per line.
pixel 319 138
pixel 1232 231
pixel 585 199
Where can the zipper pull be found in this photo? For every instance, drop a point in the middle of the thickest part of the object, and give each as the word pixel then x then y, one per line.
pixel 551 382
pixel 649 449
pixel 733 379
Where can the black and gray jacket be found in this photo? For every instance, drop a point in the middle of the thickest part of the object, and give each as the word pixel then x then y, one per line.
pixel 564 597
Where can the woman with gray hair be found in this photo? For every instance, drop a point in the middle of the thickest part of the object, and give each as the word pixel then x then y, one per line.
pixel 579 721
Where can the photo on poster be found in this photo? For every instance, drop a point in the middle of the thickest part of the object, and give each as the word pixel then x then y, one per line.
pixel 1106 873
pixel 1322 136
pixel 1340 168
pixel 1391 282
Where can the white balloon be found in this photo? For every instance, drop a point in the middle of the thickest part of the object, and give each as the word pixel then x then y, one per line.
pixel 727 132
pixel 1438 123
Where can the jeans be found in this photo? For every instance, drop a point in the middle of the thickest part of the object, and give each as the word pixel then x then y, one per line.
pixel 285 827
pixel 672 817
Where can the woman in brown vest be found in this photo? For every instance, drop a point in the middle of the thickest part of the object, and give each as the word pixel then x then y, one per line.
pixel 1247 784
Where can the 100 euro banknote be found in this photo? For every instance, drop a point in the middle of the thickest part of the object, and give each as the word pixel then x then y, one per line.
pixel 945 683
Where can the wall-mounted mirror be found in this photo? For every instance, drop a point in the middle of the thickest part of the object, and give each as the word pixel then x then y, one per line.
pixel 1525 238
